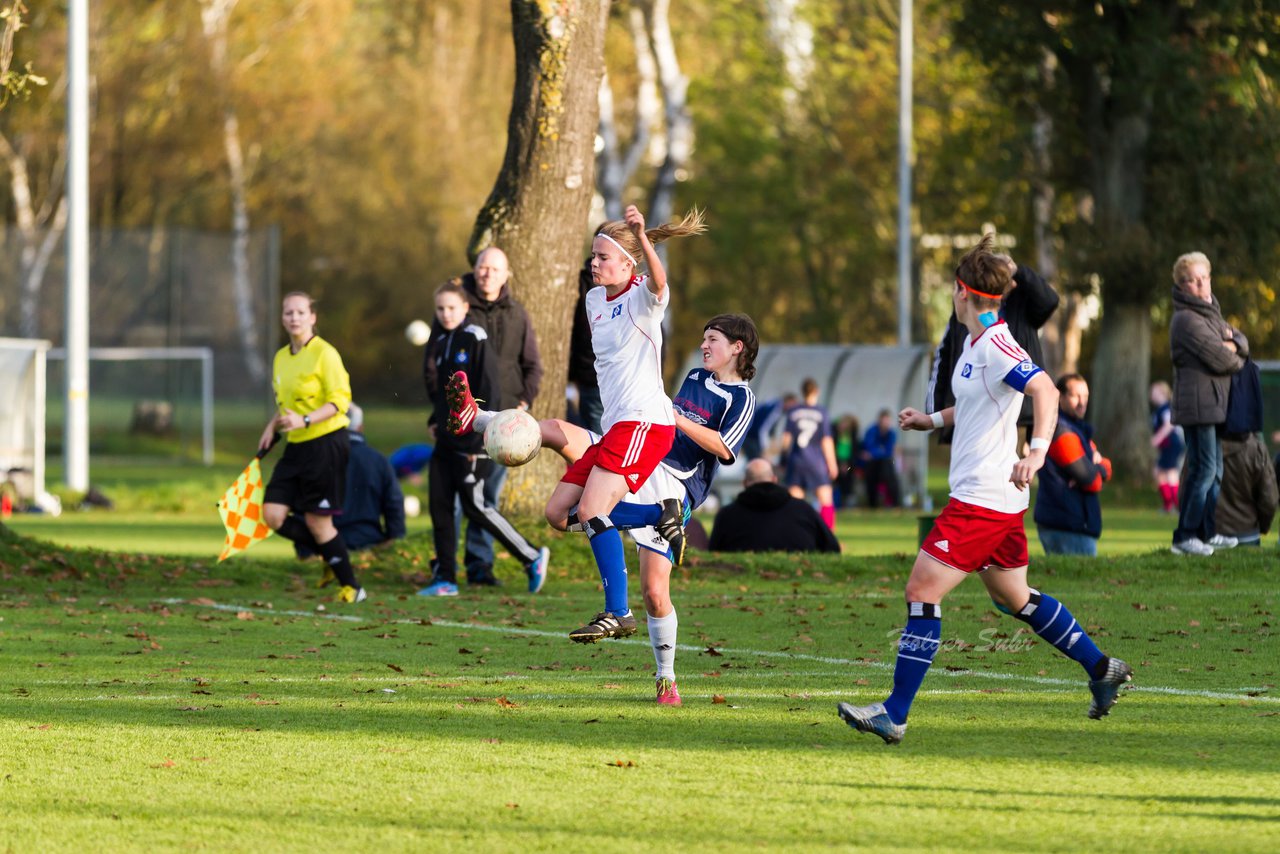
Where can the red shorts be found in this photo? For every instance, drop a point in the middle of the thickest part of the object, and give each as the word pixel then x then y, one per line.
pixel 969 538
pixel 633 449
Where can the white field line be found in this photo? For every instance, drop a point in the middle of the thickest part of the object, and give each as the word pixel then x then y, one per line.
pixel 791 656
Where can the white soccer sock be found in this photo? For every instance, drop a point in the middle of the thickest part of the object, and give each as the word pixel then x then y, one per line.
pixel 482 419
pixel 662 637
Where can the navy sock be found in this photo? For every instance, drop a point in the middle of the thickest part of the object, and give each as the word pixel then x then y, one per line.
pixel 916 648
pixel 606 545
pixel 1052 621
pixel 336 555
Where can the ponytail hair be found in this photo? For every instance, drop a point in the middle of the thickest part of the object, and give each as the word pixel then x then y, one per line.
pixel 620 233
pixel 983 273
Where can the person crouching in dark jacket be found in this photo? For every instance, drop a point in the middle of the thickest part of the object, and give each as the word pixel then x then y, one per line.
pixel 766 518
pixel 1068 515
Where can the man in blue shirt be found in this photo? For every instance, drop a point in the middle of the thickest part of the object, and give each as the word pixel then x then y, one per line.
pixel 877 462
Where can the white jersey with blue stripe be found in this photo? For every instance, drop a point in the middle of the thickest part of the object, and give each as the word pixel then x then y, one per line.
pixel 988 383
pixel 727 408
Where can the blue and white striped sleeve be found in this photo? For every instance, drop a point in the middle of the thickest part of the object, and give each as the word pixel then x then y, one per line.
pixel 737 420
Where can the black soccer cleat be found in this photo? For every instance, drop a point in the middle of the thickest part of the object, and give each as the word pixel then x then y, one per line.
pixel 671 527
pixel 605 625
pixel 1106 691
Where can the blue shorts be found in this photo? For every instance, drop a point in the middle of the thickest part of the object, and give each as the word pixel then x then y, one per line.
pixel 1170 456
pixel 806 475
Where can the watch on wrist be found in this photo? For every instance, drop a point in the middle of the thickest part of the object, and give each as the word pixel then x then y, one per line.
pixel 306 421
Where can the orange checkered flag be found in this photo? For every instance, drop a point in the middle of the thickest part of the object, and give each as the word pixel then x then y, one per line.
pixel 241 511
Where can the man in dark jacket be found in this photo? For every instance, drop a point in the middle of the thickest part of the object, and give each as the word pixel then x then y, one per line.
pixel 1027 306
pixel 1068 514
pixel 1206 352
pixel 513 346
pixel 766 518
pixel 1247 501
pixel 373 511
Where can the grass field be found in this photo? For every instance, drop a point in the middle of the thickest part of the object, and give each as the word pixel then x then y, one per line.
pixel 167 702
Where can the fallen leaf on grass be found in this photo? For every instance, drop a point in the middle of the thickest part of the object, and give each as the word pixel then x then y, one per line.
pixel 592 721
pixel 462 650
pixel 493 741
pixel 621 763
pixel 199 758
pixel 245 615
pixel 42 726
pixel 396 668
pixel 168 763
pixel 513 806
pixel 191 708
pixel 507 704
pixel 206 693
pixel 717 698
pixel 613 686
pixel 712 651
pixel 266 702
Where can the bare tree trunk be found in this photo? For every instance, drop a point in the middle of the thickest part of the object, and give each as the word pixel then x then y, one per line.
pixel 215 16
pixel 36 249
pixel 538 209
pixel 678 121
pixel 1053 335
pixel 615 169
pixel 1124 259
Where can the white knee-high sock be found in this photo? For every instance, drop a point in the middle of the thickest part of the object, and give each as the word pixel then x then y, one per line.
pixel 662 637
pixel 483 417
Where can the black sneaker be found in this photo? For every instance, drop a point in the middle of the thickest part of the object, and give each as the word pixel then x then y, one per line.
pixel 671 527
pixel 1106 691
pixel 605 625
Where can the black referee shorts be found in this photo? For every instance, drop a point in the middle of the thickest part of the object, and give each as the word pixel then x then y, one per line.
pixel 311 477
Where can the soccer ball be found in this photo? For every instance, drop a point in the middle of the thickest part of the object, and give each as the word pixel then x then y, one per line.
pixel 417 332
pixel 512 437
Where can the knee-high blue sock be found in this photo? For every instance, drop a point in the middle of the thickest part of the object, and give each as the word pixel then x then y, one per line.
pixel 916 648
pixel 626 515
pixel 1052 621
pixel 606 545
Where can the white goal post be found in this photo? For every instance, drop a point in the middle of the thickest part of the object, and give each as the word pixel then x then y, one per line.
pixel 203 355
pixel 22 402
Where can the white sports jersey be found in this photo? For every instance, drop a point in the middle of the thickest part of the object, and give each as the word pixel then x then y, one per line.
pixel 988 381
pixel 626 335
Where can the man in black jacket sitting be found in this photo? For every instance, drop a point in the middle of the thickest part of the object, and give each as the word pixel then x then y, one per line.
pixel 766 518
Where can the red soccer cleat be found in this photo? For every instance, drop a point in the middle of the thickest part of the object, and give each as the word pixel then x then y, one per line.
pixel 668 695
pixel 462 406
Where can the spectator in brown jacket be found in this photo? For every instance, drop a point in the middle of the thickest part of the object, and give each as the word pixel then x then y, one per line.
pixel 1206 352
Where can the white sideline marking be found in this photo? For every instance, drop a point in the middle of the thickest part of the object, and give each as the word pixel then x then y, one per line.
pixel 793 656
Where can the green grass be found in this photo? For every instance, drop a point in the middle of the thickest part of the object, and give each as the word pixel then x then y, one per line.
pixel 150 702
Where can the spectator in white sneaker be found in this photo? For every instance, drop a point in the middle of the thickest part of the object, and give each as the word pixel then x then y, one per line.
pixel 1206 352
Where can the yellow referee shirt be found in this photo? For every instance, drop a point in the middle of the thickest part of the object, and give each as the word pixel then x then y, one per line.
pixel 307 380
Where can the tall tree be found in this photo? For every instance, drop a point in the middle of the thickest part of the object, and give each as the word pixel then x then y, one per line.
pixel 1161 108
pixel 541 201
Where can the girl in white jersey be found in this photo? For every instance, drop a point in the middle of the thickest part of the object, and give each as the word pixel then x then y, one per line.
pixel 980 529
pixel 625 314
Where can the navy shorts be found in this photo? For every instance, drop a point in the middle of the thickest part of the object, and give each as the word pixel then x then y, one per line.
pixel 807 476
pixel 1170 456
pixel 311 477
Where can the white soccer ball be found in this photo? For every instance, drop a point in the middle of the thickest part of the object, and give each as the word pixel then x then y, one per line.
pixel 512 437
pixel 417 332
pixel 412 506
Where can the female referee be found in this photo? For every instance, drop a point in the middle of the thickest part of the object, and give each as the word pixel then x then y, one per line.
pixel 312 392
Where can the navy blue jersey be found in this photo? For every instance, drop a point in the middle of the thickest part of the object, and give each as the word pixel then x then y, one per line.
pixel 724 407
pixel 807 426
